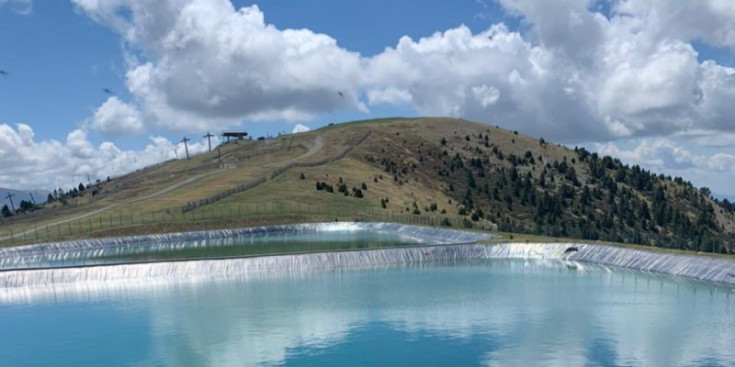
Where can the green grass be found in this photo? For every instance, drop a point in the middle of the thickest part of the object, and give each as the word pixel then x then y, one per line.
pixel 360 122
pixel 286 199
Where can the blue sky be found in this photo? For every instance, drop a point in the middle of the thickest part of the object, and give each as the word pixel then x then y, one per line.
pixel 650 81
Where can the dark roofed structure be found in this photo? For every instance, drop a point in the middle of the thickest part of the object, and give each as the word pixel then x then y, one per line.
pixel 239 135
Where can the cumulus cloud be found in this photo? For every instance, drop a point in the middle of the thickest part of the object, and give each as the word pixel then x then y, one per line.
pixel 49 164
pixel 492 76
pixel 712 21
pixel 389 95
pixel 573 74
pixel 665 155
pixel 300 128
pixel 115 117
pixel 486 95
pixel 714 169
pixel 576 74
pixel 206 64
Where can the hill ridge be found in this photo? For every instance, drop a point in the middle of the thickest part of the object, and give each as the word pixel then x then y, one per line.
pixel 466 173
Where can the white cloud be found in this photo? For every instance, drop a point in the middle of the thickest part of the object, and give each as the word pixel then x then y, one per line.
pixel 565 27
pixel 115 117
pixel 642 86
pixel 716 108
pixel 710 20
pixel 299 128
pixel 208 65
pixel 49 164
pixel 574 74
pixel 663 155
pixel 705 138
pixel 493 76
pixel 657 153
pixel 389 95
pixel 721 162
pixel 486 95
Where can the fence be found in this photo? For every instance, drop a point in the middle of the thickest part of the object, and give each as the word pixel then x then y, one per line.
pixel 221 216
pixel 190 206
pixel 247 215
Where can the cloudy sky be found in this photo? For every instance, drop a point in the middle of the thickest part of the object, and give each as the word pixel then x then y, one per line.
pixel 649 81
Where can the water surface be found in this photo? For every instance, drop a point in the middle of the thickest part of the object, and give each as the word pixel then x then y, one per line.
pixel 491 312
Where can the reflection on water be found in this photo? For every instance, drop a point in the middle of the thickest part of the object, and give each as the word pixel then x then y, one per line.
pixel 496 312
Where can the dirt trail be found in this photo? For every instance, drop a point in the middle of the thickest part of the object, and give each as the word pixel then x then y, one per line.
pixel 316 148
pixel 111 206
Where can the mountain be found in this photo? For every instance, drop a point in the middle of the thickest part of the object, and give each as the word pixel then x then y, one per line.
pixel 730 198
pixel 19 195
pixel 526 184
pixel 426 170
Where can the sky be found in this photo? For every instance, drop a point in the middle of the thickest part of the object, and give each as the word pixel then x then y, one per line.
pixel 100 88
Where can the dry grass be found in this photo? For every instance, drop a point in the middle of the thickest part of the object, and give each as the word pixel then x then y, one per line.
pixel 398 139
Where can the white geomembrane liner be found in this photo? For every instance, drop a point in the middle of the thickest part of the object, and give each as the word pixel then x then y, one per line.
pixel 441 245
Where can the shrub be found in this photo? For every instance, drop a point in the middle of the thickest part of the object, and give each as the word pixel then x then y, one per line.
pixel 445 222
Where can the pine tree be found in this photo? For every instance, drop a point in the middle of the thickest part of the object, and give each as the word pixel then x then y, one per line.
pixel 6 211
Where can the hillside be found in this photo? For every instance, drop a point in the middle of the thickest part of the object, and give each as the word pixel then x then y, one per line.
pixel 525 184
pixel 430 171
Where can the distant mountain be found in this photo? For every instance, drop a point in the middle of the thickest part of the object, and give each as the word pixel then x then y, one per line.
pixel 730 198
pixel 38 195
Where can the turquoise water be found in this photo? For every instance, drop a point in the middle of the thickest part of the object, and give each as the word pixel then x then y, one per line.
pixel 493 313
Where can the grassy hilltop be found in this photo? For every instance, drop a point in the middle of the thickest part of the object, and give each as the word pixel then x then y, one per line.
pixel 434 171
